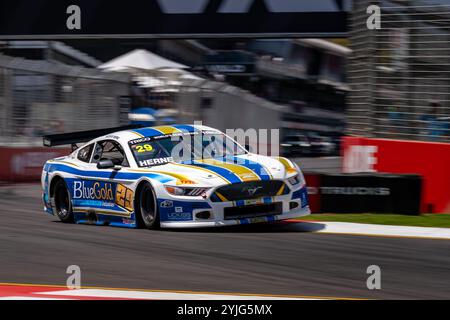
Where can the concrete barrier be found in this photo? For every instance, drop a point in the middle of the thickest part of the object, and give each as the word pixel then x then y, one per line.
pixel 431 160
pixel 22 164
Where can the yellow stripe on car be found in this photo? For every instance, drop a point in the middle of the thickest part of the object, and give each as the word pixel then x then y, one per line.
pixel 181 179
pixel 202 169
pixel 167 129
pixel 244 173
pixel 280 192
pixel 63 162
pixel 290 168
pixel 221 197
pixel 138 134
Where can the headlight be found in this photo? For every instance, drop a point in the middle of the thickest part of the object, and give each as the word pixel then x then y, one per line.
pixel 190 192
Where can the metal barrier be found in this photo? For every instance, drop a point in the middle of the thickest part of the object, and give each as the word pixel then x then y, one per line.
pixel 400 74
pixel 41 97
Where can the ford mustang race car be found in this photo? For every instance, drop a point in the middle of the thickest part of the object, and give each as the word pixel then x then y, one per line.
pixel 168 176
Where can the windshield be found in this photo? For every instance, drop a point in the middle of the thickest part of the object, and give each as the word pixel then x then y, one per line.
pixel 153 151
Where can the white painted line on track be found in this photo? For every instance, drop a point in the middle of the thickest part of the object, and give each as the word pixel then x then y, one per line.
pixel 29 298
pixel 156 295
pixel 377 230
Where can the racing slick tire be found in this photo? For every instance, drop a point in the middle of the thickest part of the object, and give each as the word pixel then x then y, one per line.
pixel 61 203
pixel 147 215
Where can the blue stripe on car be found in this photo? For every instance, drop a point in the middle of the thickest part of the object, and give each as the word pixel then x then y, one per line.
pixel 185 128
pixel 109 175
pixel 267 200
pixel 175 210
pixel 301 194
pixel 148 132
pixel 227 174
pixel 252 165
pixel 240 203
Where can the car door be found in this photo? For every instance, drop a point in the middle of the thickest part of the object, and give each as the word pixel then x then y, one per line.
pixel 103 190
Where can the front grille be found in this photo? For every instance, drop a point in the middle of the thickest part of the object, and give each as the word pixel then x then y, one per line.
pixel 253 211
pixel 250 190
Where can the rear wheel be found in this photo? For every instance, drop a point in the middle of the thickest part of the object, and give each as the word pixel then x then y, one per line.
pixel 146 207
pixel 61 202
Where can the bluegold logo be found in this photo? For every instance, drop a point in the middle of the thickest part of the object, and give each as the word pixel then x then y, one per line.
pixel 98 191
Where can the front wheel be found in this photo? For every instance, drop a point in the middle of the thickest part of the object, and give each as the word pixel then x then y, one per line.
pixel 61 202
pixel 146 207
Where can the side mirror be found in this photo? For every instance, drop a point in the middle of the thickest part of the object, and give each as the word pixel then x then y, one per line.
pixel 105 164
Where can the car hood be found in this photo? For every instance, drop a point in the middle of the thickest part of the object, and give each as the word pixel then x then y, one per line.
pixel 219 171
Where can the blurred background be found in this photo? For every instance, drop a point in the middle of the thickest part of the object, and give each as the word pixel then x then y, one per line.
pixel 297 85
pixel 391 83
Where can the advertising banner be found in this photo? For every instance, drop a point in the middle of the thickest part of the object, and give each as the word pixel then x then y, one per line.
pixel 371 193
pixel 364 193
pixel 431 160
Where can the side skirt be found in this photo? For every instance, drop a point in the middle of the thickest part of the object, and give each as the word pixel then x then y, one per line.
pixel 98 219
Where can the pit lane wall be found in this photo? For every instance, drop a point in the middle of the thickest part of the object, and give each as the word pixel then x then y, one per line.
pixel 431 160
pixel 24 164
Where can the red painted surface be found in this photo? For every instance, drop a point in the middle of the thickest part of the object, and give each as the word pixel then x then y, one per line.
pixel 429 159
pixel 9 291
pixel 25 164
pixel 313 184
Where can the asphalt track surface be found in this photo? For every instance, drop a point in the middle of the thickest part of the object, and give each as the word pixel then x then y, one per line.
pixel 262 259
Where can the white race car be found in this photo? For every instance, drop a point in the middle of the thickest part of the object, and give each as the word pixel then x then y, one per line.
pixel 169 176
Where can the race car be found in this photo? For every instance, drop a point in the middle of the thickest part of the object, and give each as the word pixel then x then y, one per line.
pixel 176 176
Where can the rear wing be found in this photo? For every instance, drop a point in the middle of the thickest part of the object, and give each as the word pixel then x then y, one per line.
pixel 81 136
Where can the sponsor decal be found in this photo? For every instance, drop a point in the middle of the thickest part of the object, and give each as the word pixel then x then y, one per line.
pixel 152 162
pixel 166 204
pixel 93 191
pixel 181 210
pixel 179 216
pixel 127 221
pixel 163 136
pixel 360 191
pixel 257 219
pixel 140 140
pixel 102 194
pixel 124 197
pixel 112 137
